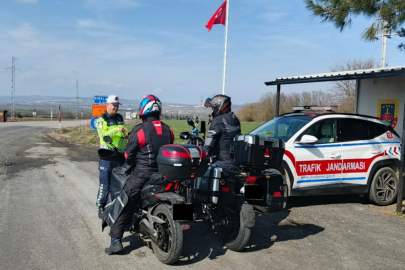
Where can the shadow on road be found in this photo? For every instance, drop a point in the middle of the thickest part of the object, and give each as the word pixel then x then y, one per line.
pixel 200 242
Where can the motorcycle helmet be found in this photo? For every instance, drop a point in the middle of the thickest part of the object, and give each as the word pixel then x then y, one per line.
pixel 148 105
pixel 219 103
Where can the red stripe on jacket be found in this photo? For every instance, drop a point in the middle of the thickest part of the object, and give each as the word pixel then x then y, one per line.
pixel 141 138
pixel 158 127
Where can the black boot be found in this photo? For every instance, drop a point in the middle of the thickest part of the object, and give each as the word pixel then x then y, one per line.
pixel 117 247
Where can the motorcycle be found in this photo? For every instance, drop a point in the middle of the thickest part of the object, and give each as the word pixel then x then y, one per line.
pixel 195 133
pixel 154 223
pixel 226 195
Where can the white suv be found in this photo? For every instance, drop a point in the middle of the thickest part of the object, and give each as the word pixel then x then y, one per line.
pixel 335 153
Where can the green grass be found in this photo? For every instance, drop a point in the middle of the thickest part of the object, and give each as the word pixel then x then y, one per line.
pixel 178 126
pixel 86 135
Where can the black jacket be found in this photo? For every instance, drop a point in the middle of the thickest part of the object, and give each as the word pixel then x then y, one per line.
pixel 144 143
pixel 223 129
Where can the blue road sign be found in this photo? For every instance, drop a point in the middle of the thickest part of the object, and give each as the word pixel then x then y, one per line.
pixel 100 100
pixel 93 123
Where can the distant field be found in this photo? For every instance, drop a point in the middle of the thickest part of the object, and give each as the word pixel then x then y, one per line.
pixel 178 126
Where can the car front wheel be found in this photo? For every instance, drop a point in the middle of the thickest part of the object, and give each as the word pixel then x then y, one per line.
pixel 384 187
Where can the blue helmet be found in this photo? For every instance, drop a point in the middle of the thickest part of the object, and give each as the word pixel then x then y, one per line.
pixel 149 104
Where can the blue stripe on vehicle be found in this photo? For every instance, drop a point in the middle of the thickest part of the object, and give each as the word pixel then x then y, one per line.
pixel 333 179
pixel 317 146
pixel 345 144
pixel 353 144
pixel 353 178
pixel 390 151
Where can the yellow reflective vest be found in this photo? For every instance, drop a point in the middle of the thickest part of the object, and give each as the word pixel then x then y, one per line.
pixel 108 125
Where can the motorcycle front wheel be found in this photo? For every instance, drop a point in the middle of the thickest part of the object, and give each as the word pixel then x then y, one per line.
pixel 169 238
pixel 236 234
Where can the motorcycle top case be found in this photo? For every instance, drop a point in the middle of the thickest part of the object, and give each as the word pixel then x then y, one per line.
pixel 254 151
pixel 178 162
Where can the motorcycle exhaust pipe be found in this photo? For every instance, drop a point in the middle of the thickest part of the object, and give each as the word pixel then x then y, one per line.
pixel 147 228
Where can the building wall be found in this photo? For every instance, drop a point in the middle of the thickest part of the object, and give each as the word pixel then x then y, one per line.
pixel 371 90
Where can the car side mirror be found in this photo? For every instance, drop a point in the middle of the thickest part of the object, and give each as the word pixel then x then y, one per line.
pixel 107 139
pixel 308 139
pixel 190 122
pixel 202 127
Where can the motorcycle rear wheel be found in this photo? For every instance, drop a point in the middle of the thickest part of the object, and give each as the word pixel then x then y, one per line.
pixel 170 236
pixel 236 234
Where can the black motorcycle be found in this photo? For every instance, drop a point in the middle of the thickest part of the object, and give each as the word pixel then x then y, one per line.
pixel 226 195
pixel 155 221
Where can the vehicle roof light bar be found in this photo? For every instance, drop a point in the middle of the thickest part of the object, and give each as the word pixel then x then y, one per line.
pixel 331 108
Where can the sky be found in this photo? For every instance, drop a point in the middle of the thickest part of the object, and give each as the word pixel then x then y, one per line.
pixel 131 48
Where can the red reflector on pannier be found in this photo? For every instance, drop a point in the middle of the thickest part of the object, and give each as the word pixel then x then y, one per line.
pixel 168 187
pixel 225 189
pixel 176 186
pixel 267 153
pixel 251 179
pixel 174 154
pixel 277 194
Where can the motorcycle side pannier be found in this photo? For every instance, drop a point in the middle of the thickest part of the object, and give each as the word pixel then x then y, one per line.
pixel 268 193
pixel 254 151
pixel 179 162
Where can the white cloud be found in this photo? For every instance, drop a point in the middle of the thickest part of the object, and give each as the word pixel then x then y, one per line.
pixel 112 4
pixel 24 32
pixel 27 1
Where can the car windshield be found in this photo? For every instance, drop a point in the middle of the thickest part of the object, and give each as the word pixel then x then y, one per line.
pixel 282 127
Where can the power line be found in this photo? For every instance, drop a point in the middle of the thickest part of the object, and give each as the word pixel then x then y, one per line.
pixel 77 98
pixel 13 59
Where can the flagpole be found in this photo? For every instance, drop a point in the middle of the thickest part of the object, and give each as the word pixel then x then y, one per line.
pixel 226 45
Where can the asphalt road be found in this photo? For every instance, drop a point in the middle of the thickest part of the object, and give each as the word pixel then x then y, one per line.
pixel 48 220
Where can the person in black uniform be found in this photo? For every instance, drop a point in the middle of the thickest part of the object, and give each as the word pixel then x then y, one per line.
pixel 140 153
pixel 224 127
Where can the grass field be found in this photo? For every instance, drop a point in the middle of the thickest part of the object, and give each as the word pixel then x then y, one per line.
pixel 178 126
pixel 86 135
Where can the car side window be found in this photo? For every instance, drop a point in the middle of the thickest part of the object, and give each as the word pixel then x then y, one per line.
pixel 375 129
pixel 325 131
pixel 353 130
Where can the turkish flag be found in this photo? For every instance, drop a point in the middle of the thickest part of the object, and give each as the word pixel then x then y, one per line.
pixel 218 18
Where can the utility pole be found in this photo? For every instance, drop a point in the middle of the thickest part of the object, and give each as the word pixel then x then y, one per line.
pixel 77 98
pixel 13 59
pixel 384 44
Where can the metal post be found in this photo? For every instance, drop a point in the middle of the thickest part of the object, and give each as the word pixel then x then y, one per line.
pixel 356 96
pixel 226 46
pixel 60 116
pixel 278 101
pixel 401 169
pixel 51 113
pixel 384 44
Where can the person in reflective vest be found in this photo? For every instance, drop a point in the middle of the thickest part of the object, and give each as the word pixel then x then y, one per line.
pixel 110 124
pixel 140 153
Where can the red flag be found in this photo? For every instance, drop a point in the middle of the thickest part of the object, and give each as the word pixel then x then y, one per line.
pixel 218 18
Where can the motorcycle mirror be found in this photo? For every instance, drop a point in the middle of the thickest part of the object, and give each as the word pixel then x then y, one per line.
pixel 184 135
pixel 190 122
pixel 202 127
pixel 107 139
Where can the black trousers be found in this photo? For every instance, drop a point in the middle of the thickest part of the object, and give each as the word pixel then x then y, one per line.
pixel 133 189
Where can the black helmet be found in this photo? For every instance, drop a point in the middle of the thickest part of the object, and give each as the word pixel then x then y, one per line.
pixel 219 103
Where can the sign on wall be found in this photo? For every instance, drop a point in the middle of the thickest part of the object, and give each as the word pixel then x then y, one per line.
pixel 387 111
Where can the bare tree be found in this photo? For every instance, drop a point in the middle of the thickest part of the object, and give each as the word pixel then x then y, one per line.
pixel 344 91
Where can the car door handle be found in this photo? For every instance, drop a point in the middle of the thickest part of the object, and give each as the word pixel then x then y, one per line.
pixel 376 152
pixel 335 156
